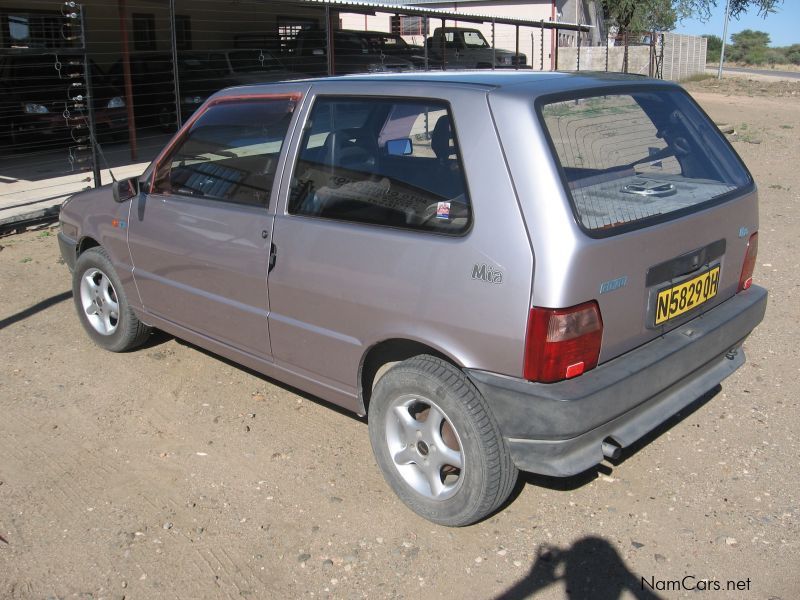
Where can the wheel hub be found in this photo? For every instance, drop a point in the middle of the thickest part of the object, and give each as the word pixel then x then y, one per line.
pixel 424 447
pixel 99 301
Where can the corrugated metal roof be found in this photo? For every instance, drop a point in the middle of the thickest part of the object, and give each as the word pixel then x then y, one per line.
pixel 467 17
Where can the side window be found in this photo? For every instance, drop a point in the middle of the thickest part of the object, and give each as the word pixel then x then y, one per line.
pixel 383 162
pixel 230 153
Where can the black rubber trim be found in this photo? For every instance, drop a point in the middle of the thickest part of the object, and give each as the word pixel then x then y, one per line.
pixel 671 371
pixel 69 250
pixel 685 263
pixel 563 458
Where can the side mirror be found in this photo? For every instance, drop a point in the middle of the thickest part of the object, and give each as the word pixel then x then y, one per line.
pixel 400 147
pixel 125 189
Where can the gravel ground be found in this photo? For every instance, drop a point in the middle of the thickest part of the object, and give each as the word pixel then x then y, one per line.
pixel 169 473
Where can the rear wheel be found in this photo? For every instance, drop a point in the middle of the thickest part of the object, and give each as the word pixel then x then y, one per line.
pixel 437 443
pixel 102 305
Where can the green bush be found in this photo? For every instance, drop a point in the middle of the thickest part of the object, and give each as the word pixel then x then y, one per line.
pixel 793 54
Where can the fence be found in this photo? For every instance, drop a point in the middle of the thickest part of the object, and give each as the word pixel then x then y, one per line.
pixel 151 64
pixel 684 56
pixel 669 56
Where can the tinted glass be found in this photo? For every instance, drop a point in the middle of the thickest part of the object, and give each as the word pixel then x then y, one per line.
pixel 230 153
pixel 383 162
pixel 632 158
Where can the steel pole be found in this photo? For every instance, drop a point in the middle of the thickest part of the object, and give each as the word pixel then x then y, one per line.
pixel 89 101
pixel 329 41
pixel 724 38
pixel 175 78
pixel 494 50
pixel 126 73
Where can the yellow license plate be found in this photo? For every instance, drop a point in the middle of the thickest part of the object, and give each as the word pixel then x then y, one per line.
pixel 685 296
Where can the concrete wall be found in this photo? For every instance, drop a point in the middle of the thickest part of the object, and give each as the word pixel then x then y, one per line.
pixel 684 56
pixel 593 58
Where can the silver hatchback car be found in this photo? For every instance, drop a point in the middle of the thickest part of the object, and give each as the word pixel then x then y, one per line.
pixel 503 271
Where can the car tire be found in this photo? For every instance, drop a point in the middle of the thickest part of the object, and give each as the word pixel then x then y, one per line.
pixel 102 305
pixel 457 469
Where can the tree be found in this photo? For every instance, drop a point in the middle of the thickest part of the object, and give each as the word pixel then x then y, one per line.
pixel 648 15
pixel 793 54
pixel 702 8
pixel 750 47
pixel 714 47
pixel 638 16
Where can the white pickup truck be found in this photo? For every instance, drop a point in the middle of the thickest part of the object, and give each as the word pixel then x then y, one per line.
pixel 467 49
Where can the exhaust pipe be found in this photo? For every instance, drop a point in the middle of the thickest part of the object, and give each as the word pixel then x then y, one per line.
pixel 611 449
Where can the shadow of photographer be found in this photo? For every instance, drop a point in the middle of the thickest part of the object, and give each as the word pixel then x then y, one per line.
pixel 590 569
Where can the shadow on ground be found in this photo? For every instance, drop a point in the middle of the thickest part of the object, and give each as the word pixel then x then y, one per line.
pixel 36 308
pixel 590 569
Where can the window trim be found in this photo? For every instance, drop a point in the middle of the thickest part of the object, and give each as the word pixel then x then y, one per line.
pixel 184 132
pixel 367 97
pixel 622 89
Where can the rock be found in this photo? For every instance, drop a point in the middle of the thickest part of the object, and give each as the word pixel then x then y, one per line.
pixel 303 557
pixel 335 499
pixel 327 563
pixel 731 541
pixel 660 558
pixel 637 545
pixel 167 525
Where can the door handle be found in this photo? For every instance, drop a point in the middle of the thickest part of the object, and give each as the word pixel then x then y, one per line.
pixel 273 257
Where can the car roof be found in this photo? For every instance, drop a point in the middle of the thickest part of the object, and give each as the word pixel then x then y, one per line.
pixel 528 83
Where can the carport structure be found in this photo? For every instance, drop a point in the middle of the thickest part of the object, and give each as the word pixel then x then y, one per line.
pixel 96 85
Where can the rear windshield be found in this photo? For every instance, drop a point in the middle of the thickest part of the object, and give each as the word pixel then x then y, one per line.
pixel 630 159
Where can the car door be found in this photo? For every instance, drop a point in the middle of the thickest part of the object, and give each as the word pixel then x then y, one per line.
pixel 200 237
pixel 367 209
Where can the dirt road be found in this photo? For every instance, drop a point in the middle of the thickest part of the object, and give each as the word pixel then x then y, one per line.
pixel 169 473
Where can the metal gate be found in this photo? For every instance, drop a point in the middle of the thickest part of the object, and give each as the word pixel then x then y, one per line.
pixel 46 128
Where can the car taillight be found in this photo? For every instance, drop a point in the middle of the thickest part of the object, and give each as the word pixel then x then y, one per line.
pixel 746 278
pixel 562 342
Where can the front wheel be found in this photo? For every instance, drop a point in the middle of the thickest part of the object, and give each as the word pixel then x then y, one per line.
pixel 102 305
pixel 437 443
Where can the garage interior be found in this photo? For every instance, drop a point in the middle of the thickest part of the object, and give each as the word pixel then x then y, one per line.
pixel 94 90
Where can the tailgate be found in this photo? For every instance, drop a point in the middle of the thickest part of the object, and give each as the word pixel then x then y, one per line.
pixel 652 213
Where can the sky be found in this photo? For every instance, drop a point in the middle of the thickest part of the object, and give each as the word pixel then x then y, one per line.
pixel 783 26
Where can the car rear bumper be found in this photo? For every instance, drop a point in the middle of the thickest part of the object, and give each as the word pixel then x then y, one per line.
pixel 559 428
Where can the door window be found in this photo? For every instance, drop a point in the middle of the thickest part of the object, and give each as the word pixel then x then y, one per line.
pixel 382 162
pixel 230 153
